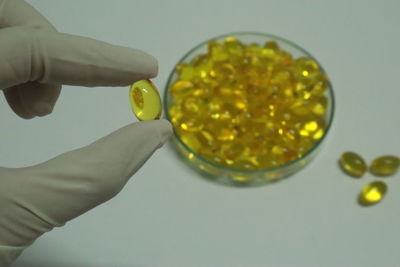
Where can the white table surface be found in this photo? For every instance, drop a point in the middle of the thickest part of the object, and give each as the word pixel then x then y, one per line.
pixel 169 216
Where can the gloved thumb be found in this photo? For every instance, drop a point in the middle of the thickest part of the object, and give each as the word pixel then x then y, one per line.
pixel 35 199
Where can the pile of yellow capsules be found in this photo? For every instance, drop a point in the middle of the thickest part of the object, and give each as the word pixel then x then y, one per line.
pixel 249 106
pixel 353 164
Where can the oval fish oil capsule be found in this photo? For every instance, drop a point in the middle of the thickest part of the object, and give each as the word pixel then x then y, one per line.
pixel 385 165
pixel 145 100
pixel 372 193
pixel 353 164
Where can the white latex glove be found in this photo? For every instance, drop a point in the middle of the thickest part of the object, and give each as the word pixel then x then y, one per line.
pixel 34 61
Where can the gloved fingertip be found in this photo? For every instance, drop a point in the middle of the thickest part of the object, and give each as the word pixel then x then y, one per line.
pixel 148 64
pixel 164 129
pixel 26 116
pixel 42 109
pixel 153 66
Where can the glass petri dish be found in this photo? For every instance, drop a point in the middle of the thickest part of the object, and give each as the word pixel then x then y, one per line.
pixel 231 175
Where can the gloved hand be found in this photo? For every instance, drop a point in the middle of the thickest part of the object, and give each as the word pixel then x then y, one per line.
pixel 35 60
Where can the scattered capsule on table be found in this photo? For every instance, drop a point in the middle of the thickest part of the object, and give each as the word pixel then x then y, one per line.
pixel 372 193
pixel 145 100
pixel 353 164
pixel 385 165
pixel 251 106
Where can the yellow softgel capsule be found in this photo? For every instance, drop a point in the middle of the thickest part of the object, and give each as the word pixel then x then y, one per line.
pixel 145 100
pixel 353 164
pixel 385 165
pixel 372 193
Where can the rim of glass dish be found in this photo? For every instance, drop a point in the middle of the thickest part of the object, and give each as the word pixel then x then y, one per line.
pixel 272 37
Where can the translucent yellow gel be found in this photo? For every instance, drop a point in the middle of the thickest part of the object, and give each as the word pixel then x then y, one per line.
pixel 372 193
pixel 145 100
pixel 385 165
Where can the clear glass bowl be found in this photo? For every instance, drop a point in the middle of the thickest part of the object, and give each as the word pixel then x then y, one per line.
pixel 232 176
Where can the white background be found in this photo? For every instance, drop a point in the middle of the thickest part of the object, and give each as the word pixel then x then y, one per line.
pixel 169 216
